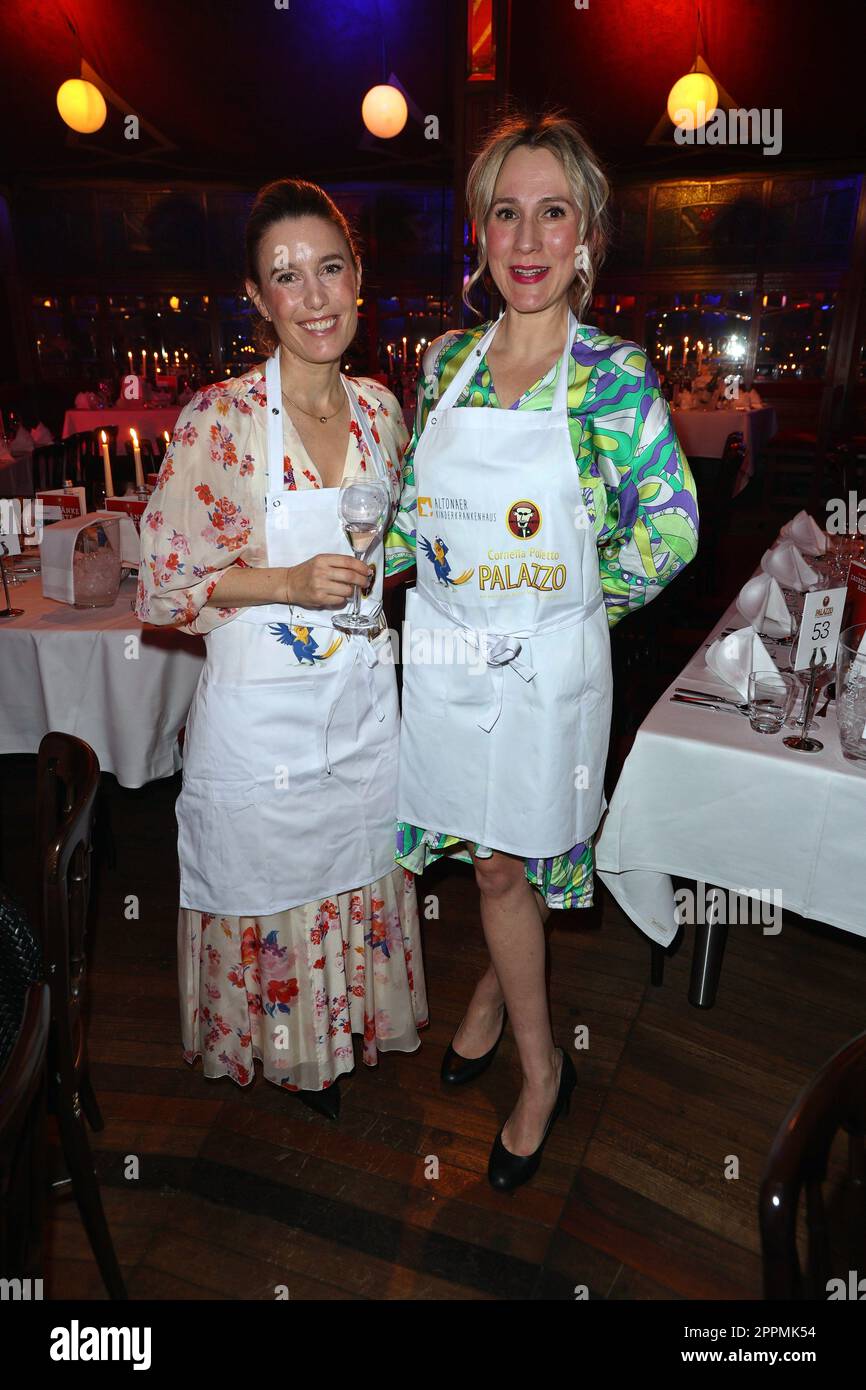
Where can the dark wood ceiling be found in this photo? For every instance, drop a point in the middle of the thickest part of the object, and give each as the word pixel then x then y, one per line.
pixel 240 90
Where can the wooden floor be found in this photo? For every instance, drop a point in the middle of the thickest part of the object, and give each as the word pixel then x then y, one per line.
pixel 242 1191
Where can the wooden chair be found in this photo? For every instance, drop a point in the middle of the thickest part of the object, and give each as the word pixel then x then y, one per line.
pixel 50 462
pixel 715 479
pixel 792 471
pixel 834 1100
pixel 24 1025
pixel 67 785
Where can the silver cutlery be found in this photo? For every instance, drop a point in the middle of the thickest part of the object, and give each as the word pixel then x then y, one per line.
pixel 708 695
pixel 706 704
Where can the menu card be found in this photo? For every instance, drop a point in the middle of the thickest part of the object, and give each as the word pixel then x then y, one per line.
pixel 855 600
pixel 131 510
pixel 62 503
pixel 133 506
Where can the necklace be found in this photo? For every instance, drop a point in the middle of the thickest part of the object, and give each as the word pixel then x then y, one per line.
pixel 322 419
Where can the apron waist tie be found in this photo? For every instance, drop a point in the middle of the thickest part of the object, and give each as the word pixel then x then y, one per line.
pixel 500 650
pixel 370 656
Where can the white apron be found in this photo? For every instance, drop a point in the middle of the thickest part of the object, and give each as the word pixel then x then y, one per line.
pixel 290 754
pixel 507 674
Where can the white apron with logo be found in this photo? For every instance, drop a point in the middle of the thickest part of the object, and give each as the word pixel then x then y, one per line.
pixel 507 673
pixel 290 755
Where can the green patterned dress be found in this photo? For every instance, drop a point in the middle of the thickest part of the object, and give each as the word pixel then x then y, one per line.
pixel 641 499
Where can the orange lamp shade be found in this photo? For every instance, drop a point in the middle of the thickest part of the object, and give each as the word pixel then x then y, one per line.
pixel 81 105
pixel 692 100
pixel 384 111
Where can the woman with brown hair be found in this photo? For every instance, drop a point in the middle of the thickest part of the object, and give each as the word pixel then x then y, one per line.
pixel 545 467
pixel 295 929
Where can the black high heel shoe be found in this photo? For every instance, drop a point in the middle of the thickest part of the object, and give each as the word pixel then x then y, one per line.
pixel 506 1170
pixel 326 1102
pixel 457 1070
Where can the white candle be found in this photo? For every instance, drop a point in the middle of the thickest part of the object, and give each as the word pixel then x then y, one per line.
pixel 136 456
pixel 405 356
pixel 106 465
pixel 668 356
pixel 685 349
pixel 143 363
pixel 166 438
pixel 700 353
pixel 129 355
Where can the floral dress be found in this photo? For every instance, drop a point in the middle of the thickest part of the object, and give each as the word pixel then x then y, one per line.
pixel 289 988
pixel 642 505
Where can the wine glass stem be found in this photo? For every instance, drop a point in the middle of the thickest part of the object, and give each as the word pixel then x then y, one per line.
pixel 356 601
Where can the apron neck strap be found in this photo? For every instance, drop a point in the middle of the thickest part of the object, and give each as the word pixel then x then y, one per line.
pixel 274 393
pixel 276 445
pixel 470 365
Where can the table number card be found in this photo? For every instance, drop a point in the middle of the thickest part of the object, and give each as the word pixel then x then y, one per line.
pixel 820 627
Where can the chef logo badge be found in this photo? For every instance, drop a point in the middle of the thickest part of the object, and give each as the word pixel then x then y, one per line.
pixel 523 519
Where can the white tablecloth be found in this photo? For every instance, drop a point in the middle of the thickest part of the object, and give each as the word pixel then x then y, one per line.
pixel 704 797
pixel 704 433
pixel 149 424
pixel 67 669
pixel 16 475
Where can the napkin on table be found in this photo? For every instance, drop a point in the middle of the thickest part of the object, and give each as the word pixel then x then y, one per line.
pixel 734 656
pixel 762 604
pixel 786 564
pixel 805 532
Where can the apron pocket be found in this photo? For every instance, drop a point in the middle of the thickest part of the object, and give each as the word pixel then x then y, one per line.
pixel 264 732
pixel 221 847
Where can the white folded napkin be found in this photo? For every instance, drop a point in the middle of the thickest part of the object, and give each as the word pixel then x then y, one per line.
pixel 785 563
pixel 734 656
pixel 762 604
pixel 805 532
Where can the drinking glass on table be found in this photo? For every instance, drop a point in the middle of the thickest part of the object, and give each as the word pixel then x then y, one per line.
pixel 771 695
pixel 364 507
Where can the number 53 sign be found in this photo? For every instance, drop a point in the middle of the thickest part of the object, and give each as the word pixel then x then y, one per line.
pixel 820 627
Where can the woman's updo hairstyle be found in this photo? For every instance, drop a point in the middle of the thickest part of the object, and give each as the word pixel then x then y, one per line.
pixel 589 187
pixel 273 203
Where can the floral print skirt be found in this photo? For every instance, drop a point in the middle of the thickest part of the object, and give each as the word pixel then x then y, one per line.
pixel 291 989
pixel 565 881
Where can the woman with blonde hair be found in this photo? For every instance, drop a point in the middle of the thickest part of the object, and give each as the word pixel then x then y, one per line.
pixel 296 931
pixel 549 498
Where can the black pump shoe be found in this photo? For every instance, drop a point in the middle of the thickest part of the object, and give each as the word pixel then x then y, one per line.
pixel 326 1102
pixel 506 1170
pixel 457 1070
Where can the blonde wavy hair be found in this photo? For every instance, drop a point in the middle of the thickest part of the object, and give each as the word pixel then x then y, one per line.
pixel 587 182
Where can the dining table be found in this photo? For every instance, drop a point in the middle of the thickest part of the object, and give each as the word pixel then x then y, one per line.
pixel 123 686
pixel 149 422
pixel 740 811
pixel 703 433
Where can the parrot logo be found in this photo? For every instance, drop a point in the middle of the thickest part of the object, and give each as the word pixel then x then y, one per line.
pixel 303 643
pixel 436 554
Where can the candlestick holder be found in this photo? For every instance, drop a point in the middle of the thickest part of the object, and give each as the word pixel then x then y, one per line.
pixel 8 611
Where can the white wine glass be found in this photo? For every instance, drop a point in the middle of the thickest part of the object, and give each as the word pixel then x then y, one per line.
pixel 364 506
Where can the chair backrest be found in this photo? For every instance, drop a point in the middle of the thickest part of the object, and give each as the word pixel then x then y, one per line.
pixel 24 1015
pixel 21 1132
pixel 67 777
pixel 834 1101
pixel 49 465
